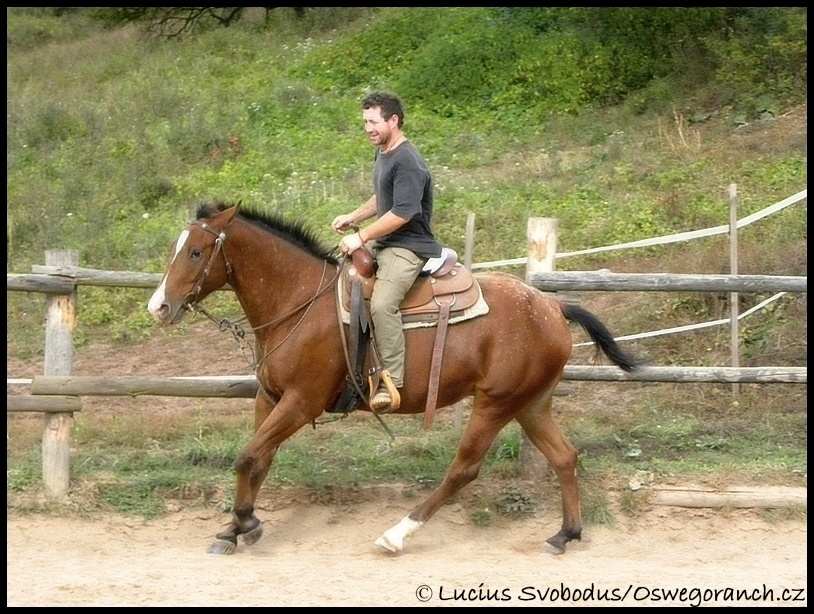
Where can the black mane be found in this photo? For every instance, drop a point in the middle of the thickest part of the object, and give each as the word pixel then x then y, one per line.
pixel 293 231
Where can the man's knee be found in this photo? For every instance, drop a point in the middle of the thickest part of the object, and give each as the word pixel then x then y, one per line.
pixel 383 306
pixel 386 298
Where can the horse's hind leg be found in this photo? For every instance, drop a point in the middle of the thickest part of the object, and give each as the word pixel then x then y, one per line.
pixel 539 425
pixel 479 435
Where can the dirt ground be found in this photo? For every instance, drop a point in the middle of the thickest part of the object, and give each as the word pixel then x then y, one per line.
pixel 323 553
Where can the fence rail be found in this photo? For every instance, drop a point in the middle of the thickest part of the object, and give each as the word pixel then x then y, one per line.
pixel 246 386
pixel 664 282
pixel 64 279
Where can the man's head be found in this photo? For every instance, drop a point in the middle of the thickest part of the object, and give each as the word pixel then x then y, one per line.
pixel 389 105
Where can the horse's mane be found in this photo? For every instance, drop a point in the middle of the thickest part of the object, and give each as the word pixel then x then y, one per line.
pixel 293 231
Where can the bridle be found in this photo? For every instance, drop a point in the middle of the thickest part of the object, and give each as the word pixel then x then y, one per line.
pixel 220 238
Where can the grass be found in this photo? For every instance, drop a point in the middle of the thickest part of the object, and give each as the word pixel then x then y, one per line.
pixel 677 438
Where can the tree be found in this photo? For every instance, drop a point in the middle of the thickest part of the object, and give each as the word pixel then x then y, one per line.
pixel 177 21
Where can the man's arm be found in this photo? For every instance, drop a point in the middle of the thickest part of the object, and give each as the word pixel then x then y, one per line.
pixel 385 225
pixel 363 212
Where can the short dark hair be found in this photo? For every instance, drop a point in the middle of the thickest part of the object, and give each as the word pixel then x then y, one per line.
pixel 389 103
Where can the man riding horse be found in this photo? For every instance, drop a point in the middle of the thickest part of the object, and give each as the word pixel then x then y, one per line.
pixel 400 240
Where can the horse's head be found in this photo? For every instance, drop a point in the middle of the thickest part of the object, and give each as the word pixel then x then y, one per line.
pixel 198 266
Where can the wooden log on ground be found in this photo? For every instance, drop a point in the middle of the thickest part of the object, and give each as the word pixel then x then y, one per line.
pixel 734 497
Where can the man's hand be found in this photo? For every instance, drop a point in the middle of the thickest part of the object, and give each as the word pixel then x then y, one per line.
pixel 350 243
pixel 342 222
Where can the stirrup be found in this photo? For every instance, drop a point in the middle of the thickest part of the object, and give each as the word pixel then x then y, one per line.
pixel 387 397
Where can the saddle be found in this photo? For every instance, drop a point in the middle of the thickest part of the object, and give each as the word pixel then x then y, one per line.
pixel 444 291
pixel 443 280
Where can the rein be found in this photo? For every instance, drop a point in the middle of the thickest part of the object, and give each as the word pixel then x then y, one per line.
pixel 307 306
pixel 238 331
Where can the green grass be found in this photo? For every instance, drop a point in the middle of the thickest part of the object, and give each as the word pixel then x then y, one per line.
pixel 117 145
pixel 694 443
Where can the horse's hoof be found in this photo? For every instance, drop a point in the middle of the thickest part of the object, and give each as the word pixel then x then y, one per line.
pixel 252 536
pixel 384 542
pixel 557 543
pixel 221 546
pixel 551 548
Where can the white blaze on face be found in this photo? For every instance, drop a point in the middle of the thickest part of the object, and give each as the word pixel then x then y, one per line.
pixel 157 299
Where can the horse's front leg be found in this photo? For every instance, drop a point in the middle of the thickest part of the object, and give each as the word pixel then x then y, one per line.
pixel 252 466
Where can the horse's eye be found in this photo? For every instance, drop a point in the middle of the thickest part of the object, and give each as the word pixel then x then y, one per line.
pixel 196 254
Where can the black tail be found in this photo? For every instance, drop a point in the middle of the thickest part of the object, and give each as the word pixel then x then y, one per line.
pixel 601 336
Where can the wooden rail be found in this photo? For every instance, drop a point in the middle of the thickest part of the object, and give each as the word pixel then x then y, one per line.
pixel 46 404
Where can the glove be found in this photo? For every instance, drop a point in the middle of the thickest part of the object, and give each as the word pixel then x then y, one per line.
pixel 342 222
pixel 350 243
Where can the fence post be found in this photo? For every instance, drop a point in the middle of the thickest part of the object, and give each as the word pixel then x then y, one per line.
pixel 60 322
pixel 469 248
pixel 541 237
pixel 734 335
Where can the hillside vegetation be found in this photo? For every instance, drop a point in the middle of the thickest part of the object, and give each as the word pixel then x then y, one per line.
pixel 624 124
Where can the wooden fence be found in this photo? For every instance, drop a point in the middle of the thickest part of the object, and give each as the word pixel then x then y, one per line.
pixel 56 393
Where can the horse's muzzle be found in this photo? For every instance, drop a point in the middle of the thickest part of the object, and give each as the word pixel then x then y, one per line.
pixel 165 314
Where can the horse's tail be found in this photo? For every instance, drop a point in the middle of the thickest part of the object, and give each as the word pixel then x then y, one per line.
pixel 601 336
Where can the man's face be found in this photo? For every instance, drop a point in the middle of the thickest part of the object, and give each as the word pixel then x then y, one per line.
pixel 378 129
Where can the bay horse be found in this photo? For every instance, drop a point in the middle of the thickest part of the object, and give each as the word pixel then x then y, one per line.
pixel 510 359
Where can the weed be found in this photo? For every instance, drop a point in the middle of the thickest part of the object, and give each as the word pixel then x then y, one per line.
pixel 132 500
pixel 514 503
pixel 781 515
pixel 482 518
pixel 632 503
pixel 596 509
pixel 20 478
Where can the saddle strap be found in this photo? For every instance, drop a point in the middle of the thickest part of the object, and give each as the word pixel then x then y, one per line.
pixel 437 354
pixel 359 330
pixel 353 393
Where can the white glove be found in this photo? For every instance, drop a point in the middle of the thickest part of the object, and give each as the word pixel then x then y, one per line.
pixel 350 243
pixel 342 222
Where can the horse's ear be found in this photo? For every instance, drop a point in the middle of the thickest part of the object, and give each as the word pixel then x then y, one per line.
pixel 229 214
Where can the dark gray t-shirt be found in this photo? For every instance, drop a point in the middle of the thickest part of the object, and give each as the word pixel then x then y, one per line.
pixel 403 184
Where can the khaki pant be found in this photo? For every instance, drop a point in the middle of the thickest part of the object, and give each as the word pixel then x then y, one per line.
pixel 398 269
